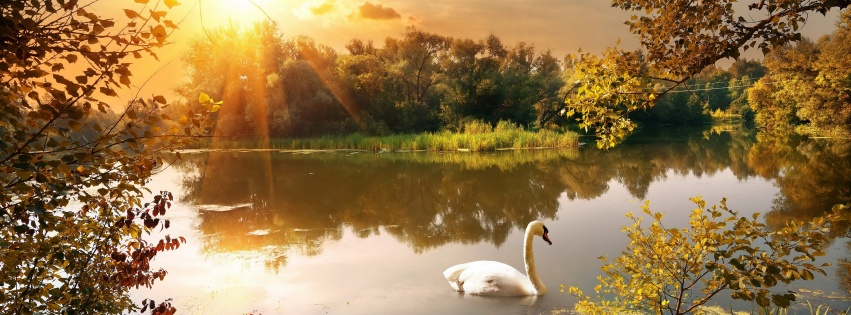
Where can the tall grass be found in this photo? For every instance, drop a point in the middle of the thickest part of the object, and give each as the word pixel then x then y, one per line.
pixel 718 114
pixel 476 137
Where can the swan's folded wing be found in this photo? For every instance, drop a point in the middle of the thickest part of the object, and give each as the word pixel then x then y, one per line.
pixel 487 278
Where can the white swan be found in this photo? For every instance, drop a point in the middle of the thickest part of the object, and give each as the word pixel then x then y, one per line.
pixel 498 279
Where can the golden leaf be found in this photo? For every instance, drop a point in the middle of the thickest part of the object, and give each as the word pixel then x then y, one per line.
pixel 171 3
pixel 157 15
pixel 130 13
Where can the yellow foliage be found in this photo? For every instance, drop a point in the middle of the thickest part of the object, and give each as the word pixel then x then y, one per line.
pixel 677 271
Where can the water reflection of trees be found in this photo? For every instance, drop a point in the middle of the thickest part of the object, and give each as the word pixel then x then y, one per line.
pixel 426 200
pixel 303 201
pixel 651 154
pixel 812 175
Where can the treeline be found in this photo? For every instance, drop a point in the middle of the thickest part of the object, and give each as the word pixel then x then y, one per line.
pixel 424 82
pixel 713 93
pixel 417 83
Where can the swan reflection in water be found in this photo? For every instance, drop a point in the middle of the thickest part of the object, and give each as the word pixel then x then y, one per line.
pixel 493 278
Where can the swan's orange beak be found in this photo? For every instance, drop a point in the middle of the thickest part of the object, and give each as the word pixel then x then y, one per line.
pixel 547 238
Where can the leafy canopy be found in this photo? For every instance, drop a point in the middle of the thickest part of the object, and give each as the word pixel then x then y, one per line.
pixel 73 167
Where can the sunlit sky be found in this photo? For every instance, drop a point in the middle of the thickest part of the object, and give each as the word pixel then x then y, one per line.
pixel 563 26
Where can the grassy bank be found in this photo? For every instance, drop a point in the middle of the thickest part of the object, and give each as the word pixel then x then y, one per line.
pixel 475 137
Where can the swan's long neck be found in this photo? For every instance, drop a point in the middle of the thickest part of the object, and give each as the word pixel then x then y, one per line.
pixel 529 257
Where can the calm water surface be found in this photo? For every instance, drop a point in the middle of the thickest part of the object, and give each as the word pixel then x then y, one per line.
pixel 362 233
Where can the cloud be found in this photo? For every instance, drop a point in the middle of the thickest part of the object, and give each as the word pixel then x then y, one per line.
pixel 322 8
pixel 377 12
pixel 315 8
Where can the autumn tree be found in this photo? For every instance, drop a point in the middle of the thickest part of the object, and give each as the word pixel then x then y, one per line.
pixel 231 64
pixel 679 39
pixel 414 60
pixel 531 83
pixel 676 271
pixel 773 98
pixel 73 173
pixel 315 98
pixel 372 87
pixel 751 68
pixel 810 84
pixel 472 72
pixel 486 81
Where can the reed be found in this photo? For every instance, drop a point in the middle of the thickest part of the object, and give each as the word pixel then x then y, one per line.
pixel 475 137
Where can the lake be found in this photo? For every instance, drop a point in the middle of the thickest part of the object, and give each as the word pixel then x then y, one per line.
pixel 280 232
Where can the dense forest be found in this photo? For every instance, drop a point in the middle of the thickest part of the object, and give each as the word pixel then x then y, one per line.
pixel 424 82
pixel 420 82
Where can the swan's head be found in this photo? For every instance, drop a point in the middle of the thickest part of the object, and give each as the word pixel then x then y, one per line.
pixel 538 228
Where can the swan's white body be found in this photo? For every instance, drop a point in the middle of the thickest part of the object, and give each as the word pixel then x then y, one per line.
pixel 498 279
